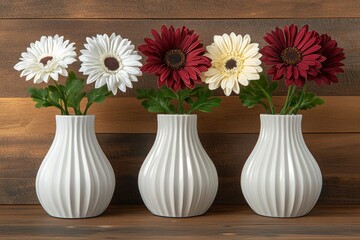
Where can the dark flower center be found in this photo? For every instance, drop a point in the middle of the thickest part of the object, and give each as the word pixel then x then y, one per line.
pixel 230 64
pixel 45 60
pixel 175 59
pixel 111 63
pixel 291 56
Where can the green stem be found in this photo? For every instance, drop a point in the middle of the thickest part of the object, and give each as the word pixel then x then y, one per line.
pixel 61 109
pixel 65 108
pixel 180 103
pixel 57 104
pixel 77 111
pixel 289 97
pixel 87 108
pixel 268 97
pixel 296 109
pixel 267 109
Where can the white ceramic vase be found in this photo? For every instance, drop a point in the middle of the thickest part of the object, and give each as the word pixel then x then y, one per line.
pixel 281 178
pixel 177 178
pixel 75 180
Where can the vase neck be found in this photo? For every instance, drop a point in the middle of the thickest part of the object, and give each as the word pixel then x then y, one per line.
pixel 75 123
pixel 177 123
pixel 281 123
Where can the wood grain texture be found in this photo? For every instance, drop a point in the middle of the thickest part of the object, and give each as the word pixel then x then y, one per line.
pixel 221 222
pixel 228 134
pixel 179 9
pixel 337 155
pixel 126 115
pixel 345 31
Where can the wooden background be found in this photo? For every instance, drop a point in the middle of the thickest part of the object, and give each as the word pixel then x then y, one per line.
pixel 126 131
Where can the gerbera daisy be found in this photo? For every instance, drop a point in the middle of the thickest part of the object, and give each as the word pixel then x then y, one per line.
pixel 234 61
pixel 110 60
pixel 292 54
pixel 46 59
pixel 332 65
pixel 176 57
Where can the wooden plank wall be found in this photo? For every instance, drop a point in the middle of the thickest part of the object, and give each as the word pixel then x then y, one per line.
pixel 126 131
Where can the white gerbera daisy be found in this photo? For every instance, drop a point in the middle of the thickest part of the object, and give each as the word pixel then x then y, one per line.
pixel 46 59
pixel 234 60
pixel 110 60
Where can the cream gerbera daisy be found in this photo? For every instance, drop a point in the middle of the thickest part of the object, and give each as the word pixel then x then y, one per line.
pixel 234 61
pixel 46 59
pixel 110 60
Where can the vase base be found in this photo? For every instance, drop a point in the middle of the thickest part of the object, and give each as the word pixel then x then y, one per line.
pixel 274 216
pixel 179 216
pixel 185 216
pixel 74 217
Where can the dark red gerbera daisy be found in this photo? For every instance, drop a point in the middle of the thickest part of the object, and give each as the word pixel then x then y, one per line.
pixel 292 54
pixel 332 65
pixel 176 57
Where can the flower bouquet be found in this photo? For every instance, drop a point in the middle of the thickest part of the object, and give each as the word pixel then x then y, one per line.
pixel 177 59
pixel 177 174
pixel 110 62
pixel 280 178
pixel 76 180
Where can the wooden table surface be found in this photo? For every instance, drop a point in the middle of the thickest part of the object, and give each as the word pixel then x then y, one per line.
pixel 221 222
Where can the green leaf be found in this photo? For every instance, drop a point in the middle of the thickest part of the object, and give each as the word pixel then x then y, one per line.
pixel 39 96
pixel 98 95
pixel 273 87
pixel 157 101
pixel 73 92
pixel 189 100
pixel 205 106
pixel 250 103
pixel 155 109
pixel 161 100
pixel 73 86
pixel 202 100
pixel 38 93
pixel 257 91
pixel 309 101
pixel 55 92
pixel 40 103
pixel 71 76
pixel 74 101
pixel 43 98
pixel 168 93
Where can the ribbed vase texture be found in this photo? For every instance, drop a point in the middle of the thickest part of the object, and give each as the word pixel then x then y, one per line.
pixel 177 178
pixel 75 180
pixel 281 178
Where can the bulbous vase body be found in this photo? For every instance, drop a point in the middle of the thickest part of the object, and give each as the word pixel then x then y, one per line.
pixel 177 178
pixel 75 180
pixel 281 178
